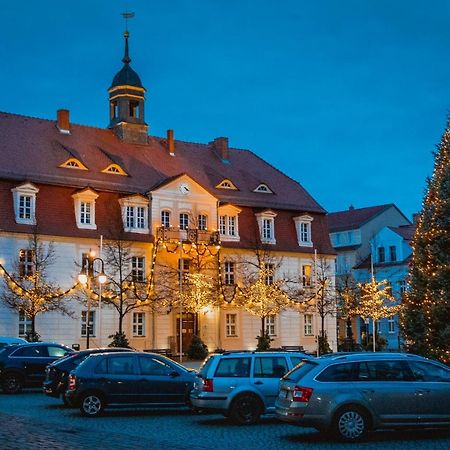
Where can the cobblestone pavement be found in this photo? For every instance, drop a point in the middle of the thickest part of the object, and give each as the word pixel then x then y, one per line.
pixel 33 421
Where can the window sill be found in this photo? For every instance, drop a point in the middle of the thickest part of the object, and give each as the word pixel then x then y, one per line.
pixel 305 244
pixel 232 336
pixel 85 226
pixel 26 221
pixel 137 230
pixel 225 237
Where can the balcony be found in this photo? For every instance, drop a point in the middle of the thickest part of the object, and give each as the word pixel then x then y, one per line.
pixel 189 236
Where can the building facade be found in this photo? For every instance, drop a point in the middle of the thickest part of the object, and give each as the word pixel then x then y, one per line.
pixel 171 208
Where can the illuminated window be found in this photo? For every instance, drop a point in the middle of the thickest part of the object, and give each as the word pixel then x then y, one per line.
pixel 306 275
pixel 228 223
pixel 115 169
pixel 226 184
pixel 138 268
pixel 138 324
pixel 269 270
pixel 230 325
pixel 26 265
pixel 270 325
pixel 202 222
pixel 228 272
pixel 184 221
pixel 73 163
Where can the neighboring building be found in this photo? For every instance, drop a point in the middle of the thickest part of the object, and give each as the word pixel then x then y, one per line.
pixel 75 184
pixel 356 234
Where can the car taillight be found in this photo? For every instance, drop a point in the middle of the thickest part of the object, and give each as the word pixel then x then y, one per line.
pixel 72 383
pixel 207 385
pixel 302 394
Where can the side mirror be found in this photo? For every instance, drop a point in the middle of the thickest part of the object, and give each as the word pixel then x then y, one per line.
pixel 174 374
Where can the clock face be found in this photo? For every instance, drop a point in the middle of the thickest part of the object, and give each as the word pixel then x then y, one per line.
pixel 184 188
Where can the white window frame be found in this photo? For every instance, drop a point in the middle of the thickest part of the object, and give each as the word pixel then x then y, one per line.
pixel 229 273
pixel 306 278
pixel 266 223
pixel 269 273
pixel 25 324
pixel 138 324
pixel 87 197
pixel 138 270
pixel 391 325
pixel 92 319
pixel 166 216
pixel 308 328
pixel 202 222
pixel 229 223
pixel 135 214
pixel 26 262
pixel 303 225
pixel 183 220
pixel 270 325
pixel 231 325
pixel 23 191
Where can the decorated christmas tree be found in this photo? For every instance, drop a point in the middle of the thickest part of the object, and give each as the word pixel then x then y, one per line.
pixel 426 313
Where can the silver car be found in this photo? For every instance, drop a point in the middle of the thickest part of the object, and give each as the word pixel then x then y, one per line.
pixel 352 394
pixel 242 385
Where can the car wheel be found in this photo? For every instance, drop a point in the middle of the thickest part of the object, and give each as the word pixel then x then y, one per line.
pixel 91 405
pixel 12 383
pixel 351 424
pixel 245 409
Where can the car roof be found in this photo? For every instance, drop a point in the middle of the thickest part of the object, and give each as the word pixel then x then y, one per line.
pixel 365 356
pixel 252 352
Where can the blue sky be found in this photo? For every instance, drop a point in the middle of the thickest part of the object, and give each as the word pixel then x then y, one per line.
pixel 348 97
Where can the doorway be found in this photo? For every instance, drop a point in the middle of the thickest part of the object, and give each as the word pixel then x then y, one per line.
pixel 188 327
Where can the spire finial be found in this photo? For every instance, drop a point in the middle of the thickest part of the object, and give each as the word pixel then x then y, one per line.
pixel 126 15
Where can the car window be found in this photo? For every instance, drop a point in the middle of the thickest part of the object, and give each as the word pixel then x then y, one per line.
pixel 337 372
pixel 383 371
pixel 297 360
pixel 270 367
pixel 102 366
pixel 203 371
pixel 121 365
pixel 299 371
pixel 33 351
pixel 425 371
pixel 233 367
pixel 153 366
pixel 56 352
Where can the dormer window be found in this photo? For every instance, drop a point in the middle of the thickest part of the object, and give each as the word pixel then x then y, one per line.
pixel 85 209
pixel 226 184
pixel 115 169
pixel 303 227
pixel 135 214
pixel 73 163
pixel 263 188
pixel 266 223
pixel 24 198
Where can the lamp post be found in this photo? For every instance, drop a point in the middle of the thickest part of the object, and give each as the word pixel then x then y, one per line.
pixel 85 276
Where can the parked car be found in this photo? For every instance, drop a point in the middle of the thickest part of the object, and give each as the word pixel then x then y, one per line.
pixel 24 364
pixel 351 394
pixel 242 385
pixel 57 373
pixel 128 379
pixel 5 340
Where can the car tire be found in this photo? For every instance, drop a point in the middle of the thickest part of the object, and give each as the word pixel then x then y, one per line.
pixel 12 383
pixel 351 424
pixel 92 404
pixel 245 409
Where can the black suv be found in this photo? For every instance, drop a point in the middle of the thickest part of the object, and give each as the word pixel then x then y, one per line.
pixel 128 379
pixel 57 373
pixel 24 364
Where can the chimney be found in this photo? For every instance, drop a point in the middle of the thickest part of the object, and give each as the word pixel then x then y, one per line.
pixel 220 144
pixel 62 122
pixel 170 142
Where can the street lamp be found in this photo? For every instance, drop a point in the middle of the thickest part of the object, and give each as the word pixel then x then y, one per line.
pixel 87 272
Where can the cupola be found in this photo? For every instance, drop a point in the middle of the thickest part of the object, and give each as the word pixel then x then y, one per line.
pixel 126 103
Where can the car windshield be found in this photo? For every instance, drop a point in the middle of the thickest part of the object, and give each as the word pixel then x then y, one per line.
pixel 300 371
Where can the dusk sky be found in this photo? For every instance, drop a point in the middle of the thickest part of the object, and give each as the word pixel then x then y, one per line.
pixel 347 97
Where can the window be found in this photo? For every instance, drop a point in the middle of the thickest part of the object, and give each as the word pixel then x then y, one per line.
pixel 426 371
pixel 270 325
pixel 266 223
pixel 350 237
pixel 228 273
pixel 391 325
pixel 24 324
pixel 308 325
pixel 91 323
pixel 202 222
pixel 263 188
pixel 233 367
pixel 303 226
pixel 134 109
pixel 84 202
pixel 383 371
pixel 138 268
pixel 381 257
pixel 165 219
pixel 24 198
pixel 230 325
pixel 154 366
pixel 121 365
pixel 183 268
pixel 115 110
pixel 393 253
pixel 56 352
pixel 115 169
pixel 226 184
pixel 135 214
pixel 73 163
pixel 228 223
pixel 403 288
pixel 306 275
pixel 26 265
pixel 138 324
pixel 337 372
pixel 184 221
pixel 270 367
pixel 269 270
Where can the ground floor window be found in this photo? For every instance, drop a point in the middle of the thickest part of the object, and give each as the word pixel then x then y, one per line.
pixel 24 324
pixel 84 324
pixel 230 324
pixel 391 325
pixel 270 325
pixel 308 325
pixel 138 324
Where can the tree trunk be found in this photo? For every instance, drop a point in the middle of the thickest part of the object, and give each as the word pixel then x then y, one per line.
pixel 263 331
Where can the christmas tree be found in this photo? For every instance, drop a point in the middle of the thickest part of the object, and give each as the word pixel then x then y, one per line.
pixel 426 313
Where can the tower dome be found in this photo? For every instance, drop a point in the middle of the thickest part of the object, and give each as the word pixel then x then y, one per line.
pixel 126 100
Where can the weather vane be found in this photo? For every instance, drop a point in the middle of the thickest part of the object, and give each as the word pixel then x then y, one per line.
pixel 126 16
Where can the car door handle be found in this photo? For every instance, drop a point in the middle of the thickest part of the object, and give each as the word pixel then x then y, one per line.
pixel 258 382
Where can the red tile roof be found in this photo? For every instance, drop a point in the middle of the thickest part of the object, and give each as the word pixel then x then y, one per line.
pixel 352 219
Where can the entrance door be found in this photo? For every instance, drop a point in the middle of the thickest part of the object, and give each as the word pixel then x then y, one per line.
pixel 188 327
